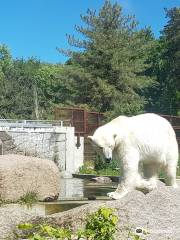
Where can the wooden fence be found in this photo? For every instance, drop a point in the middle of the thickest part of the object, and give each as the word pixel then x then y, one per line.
pixel 85 123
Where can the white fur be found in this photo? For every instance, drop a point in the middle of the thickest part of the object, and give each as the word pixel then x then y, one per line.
pixel 145 139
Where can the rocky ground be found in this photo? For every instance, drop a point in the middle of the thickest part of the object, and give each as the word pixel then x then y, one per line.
pixel 157 212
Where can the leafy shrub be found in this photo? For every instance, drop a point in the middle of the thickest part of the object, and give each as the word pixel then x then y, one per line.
pixel 42 232
pixel 100 225
pixel 100 167
pixel 86 170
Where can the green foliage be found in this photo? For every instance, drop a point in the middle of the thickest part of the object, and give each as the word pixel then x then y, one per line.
pixel 103 172
pixel 164 96
pixel 41 232
pixel 85 170
pixel 29 198
pixel 100 225
pixel 100 163
pixel 113 62
pixel 119 69
pixel 100 168
pixel 108 172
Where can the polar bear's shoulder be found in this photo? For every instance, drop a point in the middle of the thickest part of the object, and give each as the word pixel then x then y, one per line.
pixel 141 121
pixel 150 118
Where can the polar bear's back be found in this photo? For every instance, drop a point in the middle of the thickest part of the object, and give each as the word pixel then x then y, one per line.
pixel 148 123
pixel 147 132
pixel 152 124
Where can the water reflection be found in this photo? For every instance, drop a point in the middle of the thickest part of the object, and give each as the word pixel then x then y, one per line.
pixel 75 187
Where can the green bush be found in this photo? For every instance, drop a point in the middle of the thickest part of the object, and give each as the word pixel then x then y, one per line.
pixel 105 172
pixel 42 232
pixel 100 225
pixel 100 167
pixel 86 170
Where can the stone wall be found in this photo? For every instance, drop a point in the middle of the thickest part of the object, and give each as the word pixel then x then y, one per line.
pixel 57 143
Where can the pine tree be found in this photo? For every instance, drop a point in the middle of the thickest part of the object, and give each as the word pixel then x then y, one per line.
pixel 171 37
pixel 165 57
pixel 113 54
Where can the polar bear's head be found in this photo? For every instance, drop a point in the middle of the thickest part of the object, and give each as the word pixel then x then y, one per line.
pixel 104 139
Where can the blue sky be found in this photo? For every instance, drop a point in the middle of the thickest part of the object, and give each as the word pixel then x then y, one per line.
pixel 36 27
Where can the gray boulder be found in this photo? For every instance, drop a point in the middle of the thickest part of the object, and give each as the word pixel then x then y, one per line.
pixel 23 174
pixel 157 213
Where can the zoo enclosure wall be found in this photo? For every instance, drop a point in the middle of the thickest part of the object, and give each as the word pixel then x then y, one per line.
pixel 86 122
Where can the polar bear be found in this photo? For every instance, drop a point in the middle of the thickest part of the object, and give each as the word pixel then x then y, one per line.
pixel 146 140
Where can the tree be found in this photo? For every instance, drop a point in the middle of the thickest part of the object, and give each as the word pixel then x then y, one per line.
pixel 19 97
pixel 171 37
pixel 165 58
pixel 113 59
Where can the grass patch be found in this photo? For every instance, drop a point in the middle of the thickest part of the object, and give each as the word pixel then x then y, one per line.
pixel 29 198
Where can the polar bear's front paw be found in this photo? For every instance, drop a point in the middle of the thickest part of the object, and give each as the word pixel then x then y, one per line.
pixel 116 195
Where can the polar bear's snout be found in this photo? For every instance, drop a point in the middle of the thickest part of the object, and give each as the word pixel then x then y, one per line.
pixel 108 160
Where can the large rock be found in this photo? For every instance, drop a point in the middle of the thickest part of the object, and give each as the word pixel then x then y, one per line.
pixel 21 174
pixel 10 216
pixel 157 212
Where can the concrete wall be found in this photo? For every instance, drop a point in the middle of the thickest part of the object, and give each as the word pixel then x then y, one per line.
pixel 57 143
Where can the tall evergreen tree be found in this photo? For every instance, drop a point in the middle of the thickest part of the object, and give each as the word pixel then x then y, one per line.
pixel 171 36
pixel 113 55
pixel 165 58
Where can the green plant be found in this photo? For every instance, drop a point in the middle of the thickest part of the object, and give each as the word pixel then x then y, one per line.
pixel 108 172
pixel 84 170
pixel 42 231
pixel 100 225
pixel 105 171
pixel 87 168
pixel 100 167
pixel 29 198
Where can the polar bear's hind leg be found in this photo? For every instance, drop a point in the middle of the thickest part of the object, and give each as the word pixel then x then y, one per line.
pixel 150 171
pixel 170 167
pixel 170 178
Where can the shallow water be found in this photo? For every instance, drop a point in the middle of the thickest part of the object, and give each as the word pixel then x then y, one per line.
pixel 74 192
pixel 82 188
